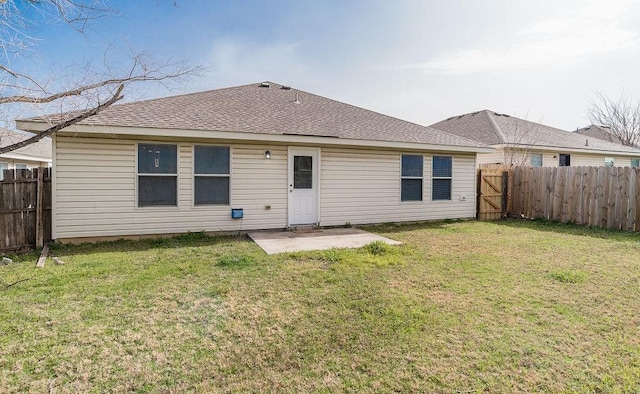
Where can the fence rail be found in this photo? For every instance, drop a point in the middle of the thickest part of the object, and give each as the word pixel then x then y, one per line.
pixel 25 208
pixel 607 197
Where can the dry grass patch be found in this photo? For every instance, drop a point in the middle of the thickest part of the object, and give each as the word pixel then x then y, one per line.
pixel 499 307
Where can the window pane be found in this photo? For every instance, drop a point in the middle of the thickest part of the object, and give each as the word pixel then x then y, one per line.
pixel 302 172
pixel 412 165
pixel 536 159
pixel 211 190
pixel 211 159
pixel 157 190
pixel 3 166
pixel 635 162
pixel 442 166
pixel 608 161
pixel 441 189
pixel 565 160
pixel 157 159
pixel 21 166
pixel 411 190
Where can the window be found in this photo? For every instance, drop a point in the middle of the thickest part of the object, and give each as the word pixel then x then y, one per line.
pixel 536 160
pixel 211 175
pixel 21 166
pixel 157 175
pixel 565 160
pixel 411 178
pixel 441 178
pixel 634 163
pixel 3 166
pixel 303 172
pixel 608 161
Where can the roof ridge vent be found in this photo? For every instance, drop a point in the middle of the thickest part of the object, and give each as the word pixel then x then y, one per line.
pixel 265 84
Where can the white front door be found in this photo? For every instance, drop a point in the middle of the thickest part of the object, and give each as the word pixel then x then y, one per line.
pixel 304 171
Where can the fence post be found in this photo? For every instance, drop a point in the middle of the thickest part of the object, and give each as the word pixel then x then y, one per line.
pixel 505 194
pixel 40 209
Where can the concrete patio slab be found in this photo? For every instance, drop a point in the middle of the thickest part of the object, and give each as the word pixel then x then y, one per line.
pixel 315 239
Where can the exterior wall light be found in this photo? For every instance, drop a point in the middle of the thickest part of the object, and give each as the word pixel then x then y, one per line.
pixel 267 154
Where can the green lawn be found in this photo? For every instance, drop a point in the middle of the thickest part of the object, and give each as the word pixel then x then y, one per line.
pixel 460 307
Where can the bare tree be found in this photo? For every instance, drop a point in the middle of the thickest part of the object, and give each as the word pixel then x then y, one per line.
pixel 90 91
pixel 518 140
pixel 621 117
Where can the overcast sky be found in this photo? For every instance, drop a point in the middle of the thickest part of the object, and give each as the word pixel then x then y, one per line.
pixel 421 61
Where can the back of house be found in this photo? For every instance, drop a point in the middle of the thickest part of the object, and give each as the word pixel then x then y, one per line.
pixel 258 156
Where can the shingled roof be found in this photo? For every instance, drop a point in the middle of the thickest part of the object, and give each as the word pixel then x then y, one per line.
pixel 600 132
pixel 493 128
pixel 269 108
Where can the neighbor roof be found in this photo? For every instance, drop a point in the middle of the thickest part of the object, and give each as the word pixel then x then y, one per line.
pixel 599 132
pixel 269 108
pixel 38 151
pixel 493 128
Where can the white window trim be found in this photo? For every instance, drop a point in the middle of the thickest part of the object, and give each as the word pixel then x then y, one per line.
pixel 442 177
pixel 412 177
pixel 177 175
pixel 194 175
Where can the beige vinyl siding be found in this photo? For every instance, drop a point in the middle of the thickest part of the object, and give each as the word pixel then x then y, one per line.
pixel 363 186
pixel 96 191
pixel 552 159
pixel 496 157
pixel 598 160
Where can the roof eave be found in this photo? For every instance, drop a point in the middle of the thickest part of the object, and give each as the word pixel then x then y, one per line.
pixel 34 126
pixel 17 156
pixel 572 150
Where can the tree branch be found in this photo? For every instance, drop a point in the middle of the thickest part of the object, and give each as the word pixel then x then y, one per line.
pixel 69 122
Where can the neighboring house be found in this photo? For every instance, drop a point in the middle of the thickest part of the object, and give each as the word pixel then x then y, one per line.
pixel 30 156
pixel 284 156
pixel 522 142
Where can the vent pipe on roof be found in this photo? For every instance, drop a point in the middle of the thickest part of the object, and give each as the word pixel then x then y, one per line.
pixel 297 99
pixel 586 143
pixel 265 85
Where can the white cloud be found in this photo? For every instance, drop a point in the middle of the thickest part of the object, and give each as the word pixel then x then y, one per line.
pixel 593 30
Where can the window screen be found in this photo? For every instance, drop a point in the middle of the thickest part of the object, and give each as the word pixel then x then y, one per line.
pixel 157 191
pixel 565 160
pixel 157 175
pixel 536 159
pixel 441 178
pixel 608 161
pixel 411 178
pixel 212 168
pixel 157 159
pixel 635 162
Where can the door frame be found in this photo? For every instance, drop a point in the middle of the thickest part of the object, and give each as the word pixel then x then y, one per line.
pixel 291 151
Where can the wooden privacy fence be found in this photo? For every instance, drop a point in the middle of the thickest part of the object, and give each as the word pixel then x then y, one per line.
pixel 607 197
pixel 25 208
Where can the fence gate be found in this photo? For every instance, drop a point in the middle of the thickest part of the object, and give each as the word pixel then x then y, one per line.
pixel 25 208
pixel 493 196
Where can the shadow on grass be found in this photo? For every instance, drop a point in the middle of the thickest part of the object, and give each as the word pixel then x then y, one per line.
pixel 124 245
pixel 405 227
pixel 569 228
